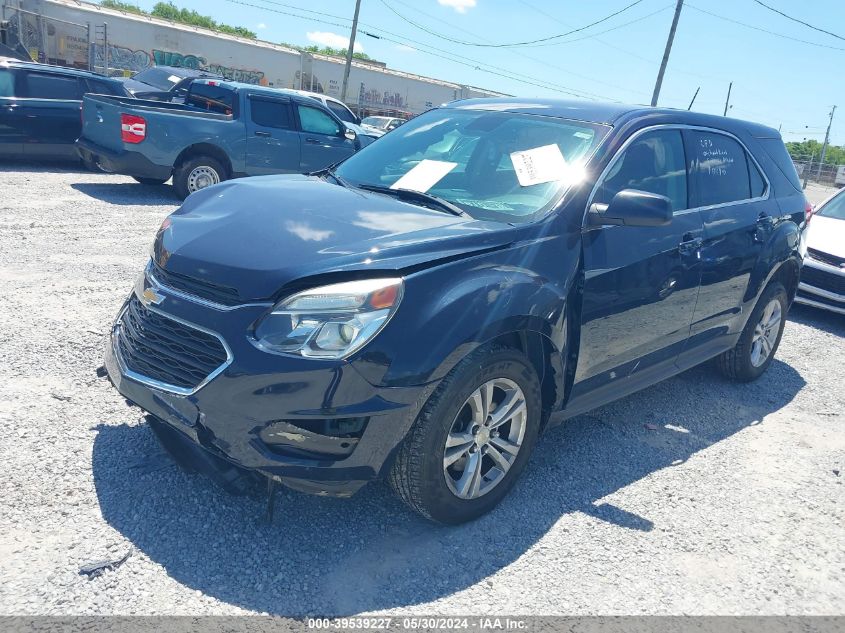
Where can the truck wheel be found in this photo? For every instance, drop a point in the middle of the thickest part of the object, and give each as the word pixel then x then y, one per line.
pixel 472 438
pixel 197 173
pixel 759 341
pixel 150 181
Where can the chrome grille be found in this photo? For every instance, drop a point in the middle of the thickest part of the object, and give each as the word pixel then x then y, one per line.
pixel 165 350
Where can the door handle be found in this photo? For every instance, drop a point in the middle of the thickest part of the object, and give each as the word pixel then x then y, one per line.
pixel 312 141
pixel 266 134
pixel 690 244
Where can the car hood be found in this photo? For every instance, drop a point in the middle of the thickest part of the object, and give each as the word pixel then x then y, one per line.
pixel 826 235
pixel 257 235
pixel 133 86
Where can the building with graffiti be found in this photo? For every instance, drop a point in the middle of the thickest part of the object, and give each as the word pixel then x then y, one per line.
pixel 86 35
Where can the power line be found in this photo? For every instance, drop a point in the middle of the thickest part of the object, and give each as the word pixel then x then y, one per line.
pixel 537 60
pixel 464 61
pixel 789 17
pixel 512 44
pixel 762 30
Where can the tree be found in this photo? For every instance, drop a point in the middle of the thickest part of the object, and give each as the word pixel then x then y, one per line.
pixel 805 149
pixel 169 11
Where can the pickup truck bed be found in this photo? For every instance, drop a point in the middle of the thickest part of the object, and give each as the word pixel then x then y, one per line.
pixel 224 130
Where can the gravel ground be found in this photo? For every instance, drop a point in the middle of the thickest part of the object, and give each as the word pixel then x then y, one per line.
pixel 696 496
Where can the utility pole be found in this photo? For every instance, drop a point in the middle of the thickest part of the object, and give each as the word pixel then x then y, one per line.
pixel 728 100
pixel 693 98
pixel 668 50
pixel 824 146
pixel 349 51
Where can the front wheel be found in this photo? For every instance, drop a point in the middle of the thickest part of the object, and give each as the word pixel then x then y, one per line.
pixel 197 173
pixel 759 341
pixel 472 438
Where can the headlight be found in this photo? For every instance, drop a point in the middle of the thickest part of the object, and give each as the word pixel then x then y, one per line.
pixel 330 321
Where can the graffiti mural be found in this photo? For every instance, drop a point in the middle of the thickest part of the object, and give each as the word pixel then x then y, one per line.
pixel 121 57
pixel 171 58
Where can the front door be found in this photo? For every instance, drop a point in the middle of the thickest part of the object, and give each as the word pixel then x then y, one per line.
pixel 272 145
pixel 640 283
pixel 322 139
pixel 51 114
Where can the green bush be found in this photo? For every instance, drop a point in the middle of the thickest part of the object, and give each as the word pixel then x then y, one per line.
pixel 169 11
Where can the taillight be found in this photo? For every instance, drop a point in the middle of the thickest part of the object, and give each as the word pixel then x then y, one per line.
pixel 808 212
pixel 133 129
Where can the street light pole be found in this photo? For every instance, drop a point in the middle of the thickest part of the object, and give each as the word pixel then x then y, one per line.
pixel 668 50
pixel 349 51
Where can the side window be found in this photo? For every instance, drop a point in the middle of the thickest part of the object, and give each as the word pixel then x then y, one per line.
pixel 270 113
pixel 654 162
pixel 316 121
pixel 720 169
pixel 47 86
pixel 7 83
pixel 340 112
pixel 758 185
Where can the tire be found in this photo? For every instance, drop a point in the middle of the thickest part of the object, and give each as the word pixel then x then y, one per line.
pixel 191 175
pixel 150 181
pixel 744 362
pixel 419 473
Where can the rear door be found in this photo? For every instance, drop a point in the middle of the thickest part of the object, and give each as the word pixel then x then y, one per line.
pixel 51 111
pixel 640 283
pixel 11 120
pixel 322 138
pixel 273 144
pixel 732 196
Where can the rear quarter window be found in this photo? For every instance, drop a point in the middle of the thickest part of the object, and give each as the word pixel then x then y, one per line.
pixel 776 150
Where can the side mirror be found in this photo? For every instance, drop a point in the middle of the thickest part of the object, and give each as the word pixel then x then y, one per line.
pixel 631 207
pixel 350 134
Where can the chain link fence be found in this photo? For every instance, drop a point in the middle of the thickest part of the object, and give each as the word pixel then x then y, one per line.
pixel 811 170
pixel 49 40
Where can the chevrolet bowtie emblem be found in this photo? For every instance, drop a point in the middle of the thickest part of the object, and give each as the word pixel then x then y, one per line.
pixel 151 297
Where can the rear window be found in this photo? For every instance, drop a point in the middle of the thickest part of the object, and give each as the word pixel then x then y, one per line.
pixel 777 152
pixel 211 98
pixel 49 86
pixel 158 78
pixel 720 169
pixel 7 83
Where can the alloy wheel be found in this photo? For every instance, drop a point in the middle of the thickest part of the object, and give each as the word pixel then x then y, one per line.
pixel 766 333
pixel 485 438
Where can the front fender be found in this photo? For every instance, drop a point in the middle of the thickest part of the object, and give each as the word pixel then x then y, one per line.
pixel 450 310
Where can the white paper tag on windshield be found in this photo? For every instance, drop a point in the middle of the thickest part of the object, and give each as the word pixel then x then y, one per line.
pixel 424 175
pixel 174 79
pixel 539 165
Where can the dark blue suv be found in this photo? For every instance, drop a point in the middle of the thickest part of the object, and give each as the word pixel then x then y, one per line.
pixel 424 310
pixel 40 108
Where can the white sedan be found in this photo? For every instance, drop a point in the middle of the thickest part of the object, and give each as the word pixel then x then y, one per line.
pixel 823 277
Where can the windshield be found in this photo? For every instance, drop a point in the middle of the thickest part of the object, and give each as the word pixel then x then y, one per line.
pixel 161 79
pixel 498 166
pixel 835 208
pixel 376 121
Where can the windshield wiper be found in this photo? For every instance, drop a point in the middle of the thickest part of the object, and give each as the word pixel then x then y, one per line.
pixel 419 196
pixel 329 171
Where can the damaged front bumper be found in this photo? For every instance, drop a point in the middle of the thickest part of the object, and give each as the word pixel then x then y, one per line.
pixel 314 425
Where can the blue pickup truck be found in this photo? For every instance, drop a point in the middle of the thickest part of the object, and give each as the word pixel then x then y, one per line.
pixel 223 130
